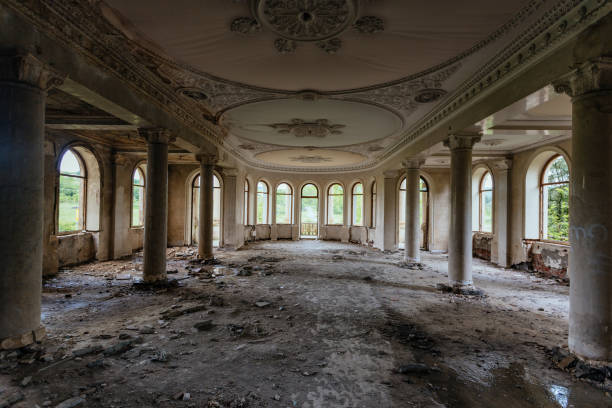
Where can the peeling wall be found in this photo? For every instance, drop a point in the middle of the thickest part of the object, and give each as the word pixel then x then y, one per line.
pixel 547 258
pixel 481 245
pixel 75 249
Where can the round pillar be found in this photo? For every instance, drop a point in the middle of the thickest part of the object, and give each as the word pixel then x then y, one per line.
pixel 156 205
pixel 205 233
pixel 460 239
pixel 590 261
pixel 412 238
pixel 23 84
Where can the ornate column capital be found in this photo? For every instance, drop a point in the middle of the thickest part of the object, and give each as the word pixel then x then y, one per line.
pixel 26 68
pixel 229 172
pixel 207 158
pixel 413 163
pixel 462 141
pixel 505 164
pixel 156 135
pixel 591 76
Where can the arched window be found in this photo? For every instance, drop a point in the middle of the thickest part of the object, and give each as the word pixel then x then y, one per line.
pixel 284 204
pixel 72 185
pixel 309 211
pixel 138 197
pixel 423 212
pixel 246 202
pixel 554 200
pixel 195 210
pixel 357 205
pixel 485 203
pixel 373 222
pixel 335 205
pixel 262 202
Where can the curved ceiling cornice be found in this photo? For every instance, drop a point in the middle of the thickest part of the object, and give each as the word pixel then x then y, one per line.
pixel 197 99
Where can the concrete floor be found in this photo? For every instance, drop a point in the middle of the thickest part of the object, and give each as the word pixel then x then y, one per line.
pixel 336 323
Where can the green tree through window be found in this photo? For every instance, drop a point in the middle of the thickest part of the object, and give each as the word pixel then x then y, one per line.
pixel 554 190
pixel 335 205
pixel 71 193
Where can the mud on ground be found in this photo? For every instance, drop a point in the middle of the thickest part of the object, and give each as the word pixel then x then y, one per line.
pixel 296 324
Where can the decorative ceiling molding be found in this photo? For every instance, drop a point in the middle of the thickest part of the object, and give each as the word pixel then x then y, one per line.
pixel 300 128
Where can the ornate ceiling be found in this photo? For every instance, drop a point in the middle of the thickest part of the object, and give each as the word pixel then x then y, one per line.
pixel 310 85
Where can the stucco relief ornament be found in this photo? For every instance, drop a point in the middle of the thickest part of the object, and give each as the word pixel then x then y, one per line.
pixel 310 159
pixel 245 25
pixel 300 128
pixel 330 46
pixel 370 25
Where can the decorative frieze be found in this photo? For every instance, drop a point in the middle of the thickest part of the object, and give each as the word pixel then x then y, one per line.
pixel 591 76
pixel 26 68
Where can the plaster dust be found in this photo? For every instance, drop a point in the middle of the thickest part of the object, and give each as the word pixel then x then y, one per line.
pixel 297 324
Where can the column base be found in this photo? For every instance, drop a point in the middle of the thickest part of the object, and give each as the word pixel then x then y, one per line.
pixel 24 340
pixel 155 279
pixel 411 259
pixel 461 288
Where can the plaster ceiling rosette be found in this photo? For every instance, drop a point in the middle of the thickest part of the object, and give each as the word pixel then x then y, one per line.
pixel 310 158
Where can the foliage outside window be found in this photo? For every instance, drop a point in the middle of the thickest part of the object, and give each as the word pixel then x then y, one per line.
pixel 485 195
pixel 284 204
pixel 423 203
pixel 138 197
pixel 262 203
pixel 335 205
pixel 309 211
pixel 357 208
pixel 246 202
pixel 554 201
pixel 71 215
pixel 373 223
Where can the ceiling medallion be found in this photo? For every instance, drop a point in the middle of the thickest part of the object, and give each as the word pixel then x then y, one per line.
pixel 300 128
pixel 306 20
pixel 429 95
pixel 310 159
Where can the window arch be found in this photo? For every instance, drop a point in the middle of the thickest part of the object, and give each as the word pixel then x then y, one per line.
pixel 138 197
pixel 246 202
pixel 357 205
pixel 284 204
pixel 423 212
pixel 72 192
pixel 309 212
pixel 485 203
pixel 263 202
pixel 195 210
pixel 554 200
pixel 335 205
pixel 373 221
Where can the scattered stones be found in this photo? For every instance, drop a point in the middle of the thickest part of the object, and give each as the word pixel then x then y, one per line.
pixel 11 399
pixel 70 403
pixel 119 348
pixel 245 271
pixel 160 357
pixel 461 290
pixel 262 304
pixel 99 363
pixel 206 325
pixel 147 330
pixel 87 350
pixel 172 271
pixel 26 381
pixel 413 368
pixel 173 314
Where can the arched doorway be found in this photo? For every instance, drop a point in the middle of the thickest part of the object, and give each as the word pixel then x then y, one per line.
pixel 423 213
pixel 309 219
pixel 195 210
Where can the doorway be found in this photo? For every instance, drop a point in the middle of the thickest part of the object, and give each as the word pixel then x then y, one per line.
pixel 309 219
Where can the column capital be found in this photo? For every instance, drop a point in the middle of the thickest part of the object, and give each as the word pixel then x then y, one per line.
pixel 462 141
pixel 413 163
pixel 230 172
pixel 505 164
pixel 390 173
pixel 590 76
pixel 207 158
pixel 156 135
pixel 26 68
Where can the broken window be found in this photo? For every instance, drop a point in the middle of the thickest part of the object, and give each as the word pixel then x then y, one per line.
pixel 284 204
pixel 357 207
pixel 72 180
pixel 335 205
pixel 485 199
pixel 262 202
pixel 138 197
pixel 554 200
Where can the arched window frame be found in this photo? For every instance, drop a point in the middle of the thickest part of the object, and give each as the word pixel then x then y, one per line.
pixel 542 185
pixel 373 209
pixel 309 230
pixel 133 223
pixel 246 202
pixel 330 195
pixel 481 191
pixel 263 196
pixel 354 197
pixel 82 194
pixel 290 195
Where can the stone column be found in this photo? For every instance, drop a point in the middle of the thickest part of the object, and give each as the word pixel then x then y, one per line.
pixel 590 261
pixel 412 233
pixel 156 205
pixel 205 233
pixel 388 229
pixel 460 239
pixel 23 84
pixel 230 211
pixel 502 201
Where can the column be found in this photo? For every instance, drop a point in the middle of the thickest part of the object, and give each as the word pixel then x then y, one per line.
pixel 502 201
pixel 156 205
pixel 460 239
pixel 205 233
pixel 412 233
pixel 590 261
pixel 23 84
pixel 389 224
pixel 230 212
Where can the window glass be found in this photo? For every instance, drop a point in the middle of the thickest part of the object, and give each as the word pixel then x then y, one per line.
pixel 357 208
pixel 486 203
pixel 335 205
pixel 262 203
pixel 555 201
pixel 284 204
pixel 71 193
pixel 138 198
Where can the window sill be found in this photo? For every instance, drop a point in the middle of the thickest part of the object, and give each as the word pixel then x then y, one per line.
pixel 544 241
pixel 72 233
pixel 137 227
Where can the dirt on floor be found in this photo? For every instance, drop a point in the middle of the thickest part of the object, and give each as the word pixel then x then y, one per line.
pixel 296 324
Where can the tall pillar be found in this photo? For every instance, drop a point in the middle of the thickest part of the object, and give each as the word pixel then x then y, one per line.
pixel 156 205
pixel 460 239
pixel 412 230
pixel 502 214
pixel 205 233
pixel 231 222
pixel 590 261
pixel 23 84
pixel 388 229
